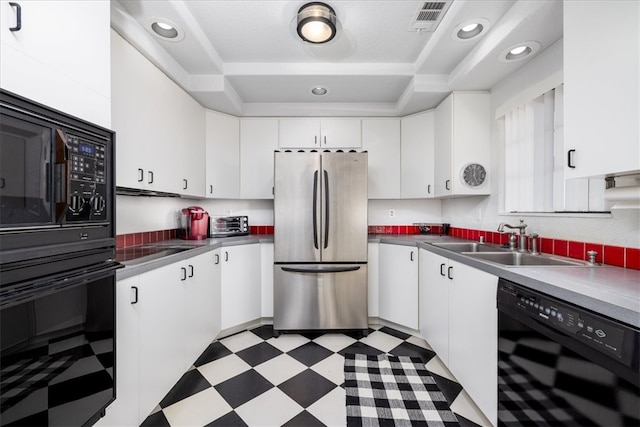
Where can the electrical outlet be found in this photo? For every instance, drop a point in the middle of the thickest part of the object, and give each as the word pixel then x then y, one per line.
pixel 479 214
pixel 392 213
pixel 228 212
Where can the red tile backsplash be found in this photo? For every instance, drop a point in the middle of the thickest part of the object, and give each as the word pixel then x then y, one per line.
pixel 611 255
pixel 614 255
pixel 576 250
pixel 632 258
pixel 560 247
pixel 133 239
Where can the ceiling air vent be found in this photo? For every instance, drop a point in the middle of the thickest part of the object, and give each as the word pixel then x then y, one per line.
pixel 429 15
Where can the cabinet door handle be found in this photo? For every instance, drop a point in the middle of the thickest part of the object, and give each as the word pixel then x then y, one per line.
pixel 184 274
pixel 570 154
pixel 411 256
pixel 315 140
pixel 150 177
pixel 442 269
pixel 210 189
pixel 18 26
pixel 186 184
pixel 135 294
pixel 226 256
pixel 140 175
pixel 429 189
pixel 325 140
pixel 217 261
pixel 446 185
pixel 449 273
pixel 190 270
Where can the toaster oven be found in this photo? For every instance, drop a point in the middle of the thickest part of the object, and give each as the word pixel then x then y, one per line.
pixel 223 226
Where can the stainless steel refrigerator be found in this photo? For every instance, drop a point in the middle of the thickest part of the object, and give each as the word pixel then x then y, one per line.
pixel 320 241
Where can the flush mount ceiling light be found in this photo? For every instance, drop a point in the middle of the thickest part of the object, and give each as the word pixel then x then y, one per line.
pixel 470 30
pixel 164 29
pixel 519 51
pixel 319 90
pixel 316 23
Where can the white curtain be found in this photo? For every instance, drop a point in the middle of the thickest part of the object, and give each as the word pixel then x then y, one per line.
pixel 529 142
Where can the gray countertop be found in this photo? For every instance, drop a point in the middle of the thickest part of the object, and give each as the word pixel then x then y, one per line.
pixel 607 290
pixel 611 291
pixel 135 267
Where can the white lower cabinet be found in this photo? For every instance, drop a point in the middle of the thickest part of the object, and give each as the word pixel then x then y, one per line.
pixel 473 331
pixel 166 318
pixel 434 303
pixel 161 335
pixel 240 282
pixel 202 304
pixel 266 279
pixel 459 320
pixel 373 279
pixel 398 284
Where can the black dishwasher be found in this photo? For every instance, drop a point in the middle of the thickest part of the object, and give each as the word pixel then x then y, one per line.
pixel 563 365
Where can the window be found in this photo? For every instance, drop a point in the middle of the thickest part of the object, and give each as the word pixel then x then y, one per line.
pixel 534 161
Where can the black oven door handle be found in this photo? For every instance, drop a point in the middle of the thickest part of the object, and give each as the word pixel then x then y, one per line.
pixel 61 183
pixel 36 288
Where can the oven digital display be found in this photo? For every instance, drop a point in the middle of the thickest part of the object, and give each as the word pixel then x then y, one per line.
pixel 87 149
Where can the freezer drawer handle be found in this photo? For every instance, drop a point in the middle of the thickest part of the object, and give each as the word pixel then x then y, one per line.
pixel 324 270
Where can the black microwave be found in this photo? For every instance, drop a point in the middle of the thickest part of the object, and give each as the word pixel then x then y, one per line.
pixel 56 181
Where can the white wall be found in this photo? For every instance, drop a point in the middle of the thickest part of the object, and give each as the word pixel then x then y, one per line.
pixel 621 228
pixel 406 211
pixel 139 214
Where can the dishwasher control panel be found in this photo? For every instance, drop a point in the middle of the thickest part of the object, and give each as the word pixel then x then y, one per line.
pixel 589 328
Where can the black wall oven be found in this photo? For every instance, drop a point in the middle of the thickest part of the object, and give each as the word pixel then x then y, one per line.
pixel 57 274
pixel 562 365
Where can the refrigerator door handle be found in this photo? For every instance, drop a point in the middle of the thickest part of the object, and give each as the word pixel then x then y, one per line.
pixel 315 209
pixel 320 270
pixel 326 209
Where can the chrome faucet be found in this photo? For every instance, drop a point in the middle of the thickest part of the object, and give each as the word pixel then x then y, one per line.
pixel 522 237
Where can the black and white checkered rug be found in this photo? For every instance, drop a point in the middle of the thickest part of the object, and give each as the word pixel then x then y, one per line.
pixel 386 390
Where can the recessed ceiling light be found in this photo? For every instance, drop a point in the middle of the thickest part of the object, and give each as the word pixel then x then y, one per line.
pixel 319 90
pixel 519 51
pixel 471 29
pixel 164 29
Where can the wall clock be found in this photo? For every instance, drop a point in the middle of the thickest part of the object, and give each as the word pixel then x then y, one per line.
pixel 474 174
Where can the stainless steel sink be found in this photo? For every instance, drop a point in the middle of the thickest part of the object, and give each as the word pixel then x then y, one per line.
pixel 518 259
pixel 469 247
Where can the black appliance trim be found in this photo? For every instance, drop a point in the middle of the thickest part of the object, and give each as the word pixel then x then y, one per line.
pixel 628 367
pixel 66 232
pixel 40 287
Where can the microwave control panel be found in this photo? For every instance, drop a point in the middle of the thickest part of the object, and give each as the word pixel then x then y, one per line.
pixel 87 176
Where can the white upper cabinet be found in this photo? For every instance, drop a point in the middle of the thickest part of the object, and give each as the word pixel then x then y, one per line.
pixel 139 118
pixel 602 83
pixel 417 162
pixel 60 55
pixel 223 156
pixel 320 133
pixel 462 145
pixel 381 139
pixel 258 141
pixel 191 148
pixel 160 141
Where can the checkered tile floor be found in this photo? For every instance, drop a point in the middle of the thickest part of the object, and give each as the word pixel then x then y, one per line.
pixel 252 378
